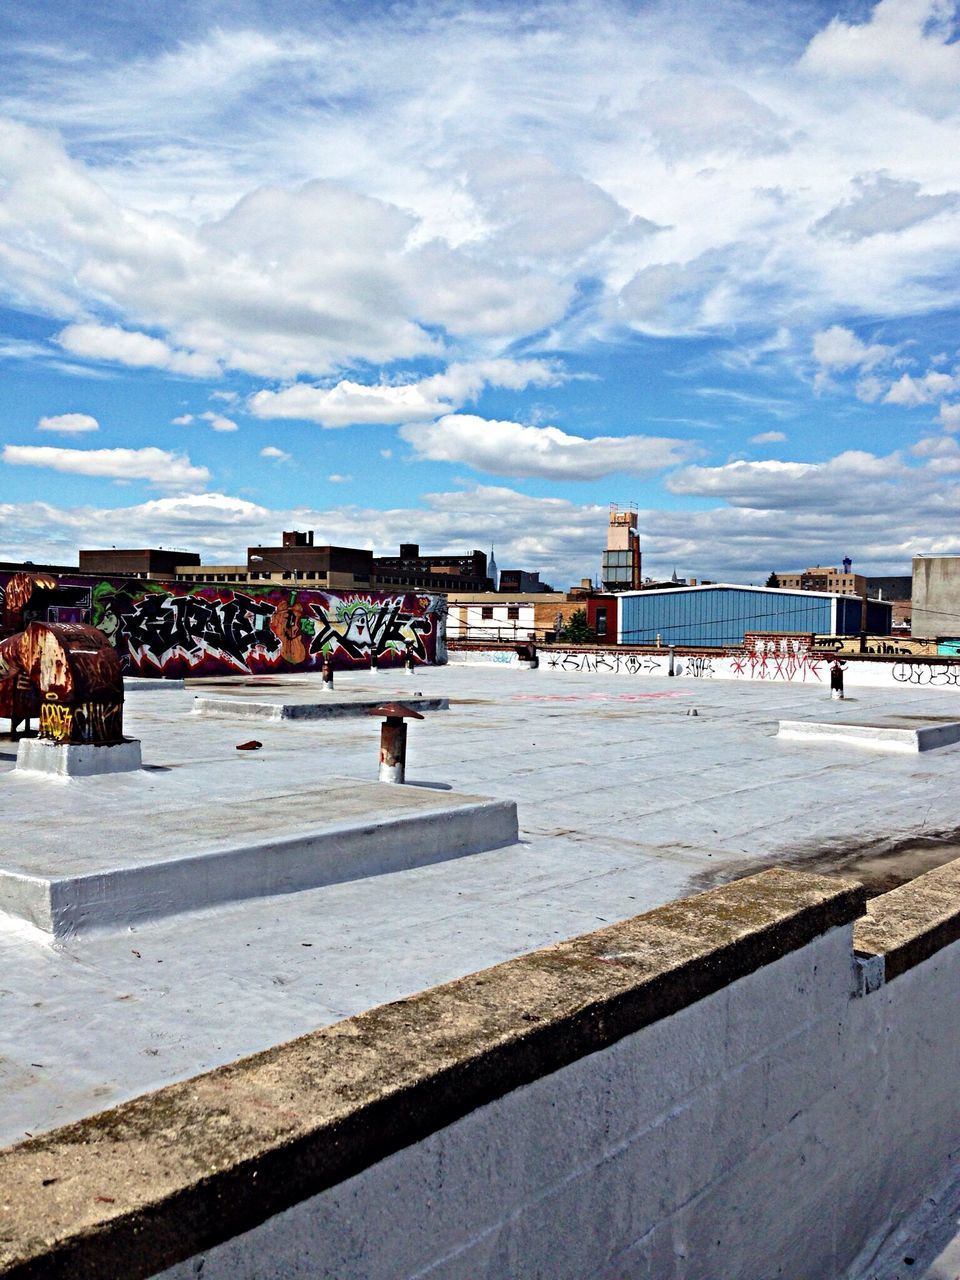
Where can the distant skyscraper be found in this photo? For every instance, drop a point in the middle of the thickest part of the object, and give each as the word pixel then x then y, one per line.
pixel 492 571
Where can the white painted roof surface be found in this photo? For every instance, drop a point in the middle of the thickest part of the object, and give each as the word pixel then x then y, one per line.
pixel 625 802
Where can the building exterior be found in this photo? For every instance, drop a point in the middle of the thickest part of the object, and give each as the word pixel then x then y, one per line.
pixel 719 616
pixel 143 562
pixel 514 580
pixel 621 560
pixel 492 616
pixel 936 597
pixel 298 559
pixel 824 578
pixel 465 571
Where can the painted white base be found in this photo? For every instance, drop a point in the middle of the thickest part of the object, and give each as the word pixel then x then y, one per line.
pixel 877 737
pixel 150 682
pixel 247 709
pixel 341 833
pixel 77 759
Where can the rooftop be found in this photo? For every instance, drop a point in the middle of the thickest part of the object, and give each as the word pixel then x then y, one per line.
pixel 625 802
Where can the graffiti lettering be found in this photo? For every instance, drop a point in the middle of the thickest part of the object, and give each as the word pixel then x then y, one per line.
pixel 699 666
pixel 85 722
pixel 161 626
pixel 926 673
pixel 56 721
pixel 632 664
pixel 360 627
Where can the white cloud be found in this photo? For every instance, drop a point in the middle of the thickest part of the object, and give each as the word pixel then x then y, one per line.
pixel 854 479
pixel 884 204
pixel 69 424
pixel 219 422
pixel 768 437
pixel 351 402
pixel 878 511
pixel 511 449
pixel 910 391
pixel 271 451
pixel 840 348
pixel 906 40
pixel 156 466
pixel 950 417
pixel 644 173
pixel 335 478
pixel 137 350
pixel 348 402
pixel 184 420
pixel 534 209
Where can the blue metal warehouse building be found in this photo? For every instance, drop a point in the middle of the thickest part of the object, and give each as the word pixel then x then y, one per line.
pixel 719 616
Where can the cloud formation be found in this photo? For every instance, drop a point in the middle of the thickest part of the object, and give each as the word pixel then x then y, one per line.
pixel 348 402
pixel 512 449
pixel 69 424
pixel 159 468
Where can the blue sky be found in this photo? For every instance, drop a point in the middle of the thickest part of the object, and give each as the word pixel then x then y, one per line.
pixel 466 275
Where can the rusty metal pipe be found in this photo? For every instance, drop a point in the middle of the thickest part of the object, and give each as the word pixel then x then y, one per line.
pixel 326 672
pixel 393 739
pixel 393 750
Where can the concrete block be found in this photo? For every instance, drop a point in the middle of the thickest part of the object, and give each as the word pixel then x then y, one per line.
pixel 363 833
pixel 77 759
pixel 874 737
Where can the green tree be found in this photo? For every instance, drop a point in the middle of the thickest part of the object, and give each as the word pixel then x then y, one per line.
pixel 772 581
pixel 578 630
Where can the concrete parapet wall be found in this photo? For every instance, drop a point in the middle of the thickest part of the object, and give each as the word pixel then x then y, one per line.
pixel 725 1086
pixel 790 666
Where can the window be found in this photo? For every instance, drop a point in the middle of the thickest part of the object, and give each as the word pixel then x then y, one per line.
pixel 513 613
pixel 486 611
pixel 601 627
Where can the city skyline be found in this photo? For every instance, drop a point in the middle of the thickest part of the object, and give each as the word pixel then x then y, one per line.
pixel 463 275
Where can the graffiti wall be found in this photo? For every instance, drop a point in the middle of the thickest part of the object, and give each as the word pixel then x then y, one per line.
pixel 176 629
pixel 780 660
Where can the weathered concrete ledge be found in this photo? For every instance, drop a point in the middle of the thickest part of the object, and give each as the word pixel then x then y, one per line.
pixel 908 925
pixel 158 1179
pixel 333 707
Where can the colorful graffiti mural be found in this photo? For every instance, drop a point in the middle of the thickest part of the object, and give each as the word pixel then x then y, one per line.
pixel 176 629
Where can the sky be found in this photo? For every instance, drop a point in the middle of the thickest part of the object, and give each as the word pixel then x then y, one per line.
pixel 465 275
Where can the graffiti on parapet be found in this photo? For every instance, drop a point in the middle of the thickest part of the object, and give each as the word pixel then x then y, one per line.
pixel 161 628
pixel 632 664
pixel 699 666
pixel 776 657
pixel 363 625
pixel 926 673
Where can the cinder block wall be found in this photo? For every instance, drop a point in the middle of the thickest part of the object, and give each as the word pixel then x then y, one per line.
pixel 758 1081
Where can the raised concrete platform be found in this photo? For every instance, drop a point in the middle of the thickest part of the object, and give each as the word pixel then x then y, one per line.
pixel 332 706
pixel 77 759
pixel 906 734
pixel 79 877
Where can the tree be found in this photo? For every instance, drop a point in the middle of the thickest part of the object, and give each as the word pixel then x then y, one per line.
pixel 772 581
pixel 578 630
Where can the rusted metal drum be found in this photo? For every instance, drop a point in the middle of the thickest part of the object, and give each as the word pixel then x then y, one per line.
pixel 75 675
